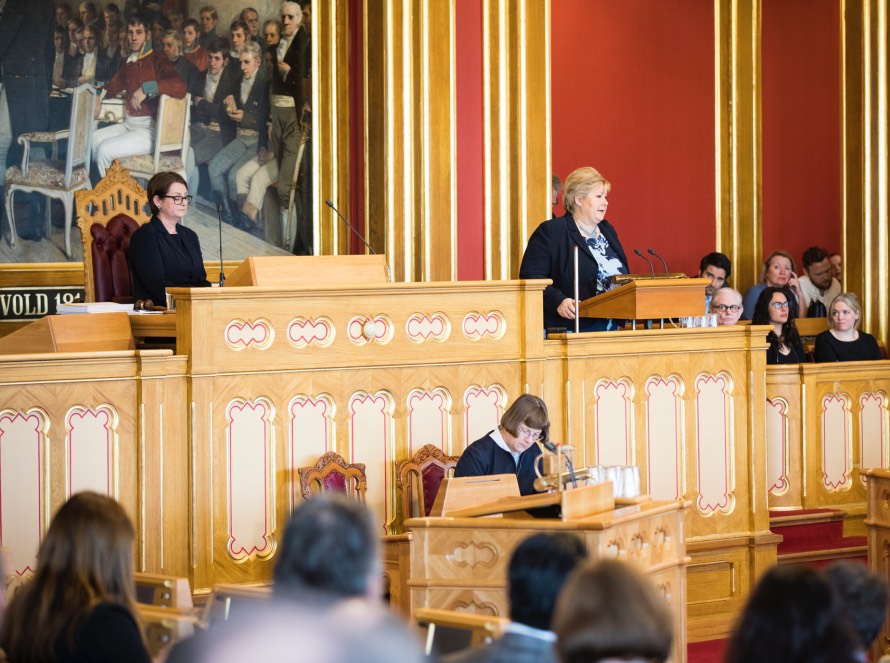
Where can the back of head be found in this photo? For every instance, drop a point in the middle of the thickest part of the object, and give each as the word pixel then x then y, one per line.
pixel 538 570
pixel 329 549
pixel 863 596
pixel 792 615
pixel 608 610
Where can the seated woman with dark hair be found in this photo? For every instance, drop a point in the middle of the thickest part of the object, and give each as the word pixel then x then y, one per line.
pixel 843 341
pixel 80 604
pixel 163 253
pixel 774 308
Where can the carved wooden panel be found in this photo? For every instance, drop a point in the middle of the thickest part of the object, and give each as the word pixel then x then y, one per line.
pixel 614 422
pixel 91 449
pixel 664 435
pixel 714 443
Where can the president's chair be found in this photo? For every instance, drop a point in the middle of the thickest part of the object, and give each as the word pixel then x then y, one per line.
pixel 418 479
pixel 333 473
pixel 55 178
pixel 107 217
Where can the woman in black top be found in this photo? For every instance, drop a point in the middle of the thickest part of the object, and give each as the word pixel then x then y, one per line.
pixel 843 341
pixel 80 604
pixel 774 308
pixel 164 253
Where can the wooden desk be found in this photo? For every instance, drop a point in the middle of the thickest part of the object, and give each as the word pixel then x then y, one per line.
pixel 157 325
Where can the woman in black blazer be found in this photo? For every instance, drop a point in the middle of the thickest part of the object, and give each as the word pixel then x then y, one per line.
pixel 550 252
pixel 163 253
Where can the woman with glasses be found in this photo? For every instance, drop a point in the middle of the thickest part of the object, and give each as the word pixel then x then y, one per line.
pixel 774 308
pixel 843 341
pixel 163 253
pixel 510 448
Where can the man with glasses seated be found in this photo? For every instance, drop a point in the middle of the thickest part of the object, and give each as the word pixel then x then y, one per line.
pixel 727 304
pixel 511 448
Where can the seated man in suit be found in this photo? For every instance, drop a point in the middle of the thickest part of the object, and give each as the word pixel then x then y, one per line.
pixel 172 45
pixel 538 570
pixel 191 46
pixel 211 128
pixel 251 17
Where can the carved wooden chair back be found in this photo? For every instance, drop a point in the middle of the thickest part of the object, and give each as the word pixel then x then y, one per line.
pixel 418 479
pixel 333 473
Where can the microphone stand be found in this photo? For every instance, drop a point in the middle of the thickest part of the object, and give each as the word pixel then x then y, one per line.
pixel 652 253
pixel 651 266
pixel 357 234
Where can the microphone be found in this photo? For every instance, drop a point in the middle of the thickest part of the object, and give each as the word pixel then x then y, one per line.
pixel 551 447
pixel 652 253
pixel 222 276
pixel 651 266
pixel 357 234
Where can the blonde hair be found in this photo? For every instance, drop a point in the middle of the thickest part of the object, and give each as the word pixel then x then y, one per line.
pixel 581 182
pixel 851 300
pixel 769 259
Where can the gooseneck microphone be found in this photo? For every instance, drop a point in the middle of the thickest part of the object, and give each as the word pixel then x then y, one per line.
pixel 222 275
pixel 652 253
pixel 651 266
pixel 357 234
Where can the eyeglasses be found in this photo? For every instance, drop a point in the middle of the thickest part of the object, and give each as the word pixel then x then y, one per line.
pixel 535 435
pixel 723 308
pixel 778 305
pixel 180 199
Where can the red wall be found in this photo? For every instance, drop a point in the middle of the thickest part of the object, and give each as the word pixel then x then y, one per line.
pixel 801 125
pixel 633 96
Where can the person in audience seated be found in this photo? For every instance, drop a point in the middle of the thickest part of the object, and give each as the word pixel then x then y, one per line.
pixel 146 75
pixel 74 60
pixel 537 573
pixel 272 32
pixel 251 18
pixel 863 595
pixel 836 267
pixel 792 616
pixel 778 272
pixel 164 253
pixel 191 46
pixel 159 25
pixel 111 45
pixel 843 341
pixel 176 19
pixel 88 13
pixel 550 252
pixel 94 61
pixel 818 285
pixel 511 448
pixel 249 110
pixel 238 33
pixel 211 128
pixel 608 611
pixel 110 13
pixel 555 189
pixel 60 42
pixel 773 308
pixel 80 604
pixel 209 19
pixel 727 304
pixel 717 267
pixel 63 13
pixel 188 72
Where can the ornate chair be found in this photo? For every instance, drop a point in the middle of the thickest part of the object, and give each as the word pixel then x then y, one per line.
pixel 332 472
pixel 418 479
pixel 107 217
pixel 52 177
pixel 172 140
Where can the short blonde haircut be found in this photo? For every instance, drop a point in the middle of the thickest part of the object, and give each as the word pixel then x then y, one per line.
pixel 851 300
pixel 769 259
pixel 581 182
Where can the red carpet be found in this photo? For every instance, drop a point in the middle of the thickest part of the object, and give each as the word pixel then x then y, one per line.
pixel 708 651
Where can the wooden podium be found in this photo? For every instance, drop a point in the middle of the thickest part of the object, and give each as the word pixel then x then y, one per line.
pixel 649 299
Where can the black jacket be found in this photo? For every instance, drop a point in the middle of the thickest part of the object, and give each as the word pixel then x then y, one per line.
pixel 484 457
pixel 550 255
pixel 158 260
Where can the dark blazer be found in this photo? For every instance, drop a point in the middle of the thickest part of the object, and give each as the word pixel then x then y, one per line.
pixel 158 261
pixel 484 457
pixel 256 110
pixel 108 634
pixel 510 648
pixel 550 255
pixel 292 84
pixel 107 66
pixel 207 111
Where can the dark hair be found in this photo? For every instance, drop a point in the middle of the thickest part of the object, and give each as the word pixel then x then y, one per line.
pixel 59 30
pixel 538 570
pixel 863 596
pixel 162 21
pixel 329 548
pixel 609 610
pixel 245 11
pixel 219 45
pixel 86 558
pixel 193 23
pixel 790 335
pixel 530 411
pixel 792 615
pixel 111 7
pixel 813 255
pixel 140 19
pixel 239 24
pixel 716 259
pixel 160 184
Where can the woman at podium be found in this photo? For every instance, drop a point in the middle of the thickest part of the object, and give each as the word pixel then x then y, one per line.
pixel 163 253
pixel 551 250
pixel 510 448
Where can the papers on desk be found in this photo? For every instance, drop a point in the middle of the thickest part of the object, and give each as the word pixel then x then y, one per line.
pixel 93 307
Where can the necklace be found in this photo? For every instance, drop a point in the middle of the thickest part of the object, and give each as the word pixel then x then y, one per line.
pixel 589 233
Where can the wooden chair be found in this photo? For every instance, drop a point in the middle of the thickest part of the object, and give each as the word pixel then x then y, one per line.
pixel 52 177
pixel 107 217
pixel 418 479
pixel 333 473
pixel 163 627
pixel 172 139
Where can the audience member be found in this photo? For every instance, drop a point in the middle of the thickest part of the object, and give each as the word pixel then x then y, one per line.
pixel 251 18
pixel 63 13
pixel 238 33
pixel 792 616
pixel 111 13
pixel 773 308
pixel 191 46
pixel 818 286
pixel 111 42
pixel 836 270
pixel 60 43
pixel 537 573
pixel 727 304
pixel 80 604
pixel 176 20
pixel 843 340
pixel 209 19
pixel 88 13
pixel 778 272
pixel 510 448
pixel 211 128
pixel 863 596
pixel 555 190
pixel 188 72
pixel 90 60
pixel 609 612
pixel 272 32
pixel 717 267
pixel 146 75
pixel 159 25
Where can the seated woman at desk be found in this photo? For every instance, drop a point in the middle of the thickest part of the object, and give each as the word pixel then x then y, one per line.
pixel 774 308
pixel 163 253
pixel 778 272
pixel 843 341
pixel 551 249
pixel 510 448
